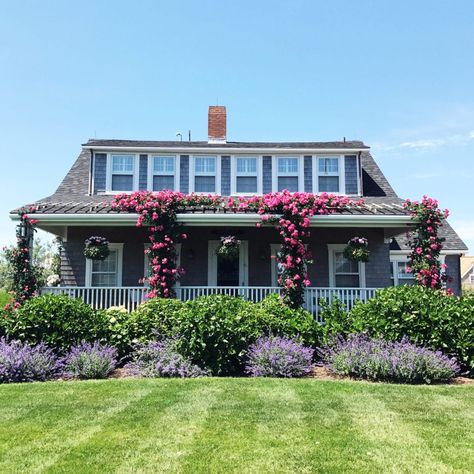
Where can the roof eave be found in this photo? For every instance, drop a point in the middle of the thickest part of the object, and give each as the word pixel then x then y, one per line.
pixel 244 219
pixel 225 150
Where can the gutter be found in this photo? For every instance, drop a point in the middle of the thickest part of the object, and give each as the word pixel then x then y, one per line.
pixel 201 219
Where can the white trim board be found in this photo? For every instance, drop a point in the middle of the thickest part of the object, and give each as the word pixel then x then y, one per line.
pixel 112 246
pixel 212 247
pixel 224 150
pixel 203 219
pixel 332 248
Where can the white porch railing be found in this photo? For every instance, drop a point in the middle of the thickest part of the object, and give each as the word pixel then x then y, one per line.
pixel 131 296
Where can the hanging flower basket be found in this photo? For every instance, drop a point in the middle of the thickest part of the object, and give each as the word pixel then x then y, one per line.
pixel 229 247
pixel 96 248
pixel 357 250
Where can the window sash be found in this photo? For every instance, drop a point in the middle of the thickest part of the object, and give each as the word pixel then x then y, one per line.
pixel 205 165
pixel 207 183
pixel 161 182
pixel 341 262
pixel 99 268
pixel 288 166
pixel 119 182
pixel 246 184
pixel 123 164
pixel 246 166
pixel 328 184
pixel 164 165
pixel 291 183
pixel 328 166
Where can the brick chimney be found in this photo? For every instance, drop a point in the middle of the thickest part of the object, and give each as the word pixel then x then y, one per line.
pixel 217 124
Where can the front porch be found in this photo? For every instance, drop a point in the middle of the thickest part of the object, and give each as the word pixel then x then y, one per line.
pixel 131 296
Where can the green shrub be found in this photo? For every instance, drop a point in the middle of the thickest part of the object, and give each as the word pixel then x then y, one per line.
pixel 280 320
pixel 160 315
pixel 427 317
pixel 337 320
pixel 117 320
pixel 57 320
pixel 215 331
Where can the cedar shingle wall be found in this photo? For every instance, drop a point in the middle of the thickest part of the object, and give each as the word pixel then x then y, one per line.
pixel 194 253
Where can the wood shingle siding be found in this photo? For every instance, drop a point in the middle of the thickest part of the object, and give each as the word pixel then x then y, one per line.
pixel 351 175
pixel 100 172
pixel 308 174
pixel 143 173
pixel 225 176
pixel 184 174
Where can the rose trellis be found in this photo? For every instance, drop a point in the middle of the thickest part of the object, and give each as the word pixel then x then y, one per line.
pixel 425 242
pixel 24 284
pixel 289 212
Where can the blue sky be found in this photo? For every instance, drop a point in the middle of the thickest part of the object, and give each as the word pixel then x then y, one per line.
pixel 398 75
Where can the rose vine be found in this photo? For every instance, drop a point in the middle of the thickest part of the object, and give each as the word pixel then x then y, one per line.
pixel 289 212
pixel 425 242
pixel 24 284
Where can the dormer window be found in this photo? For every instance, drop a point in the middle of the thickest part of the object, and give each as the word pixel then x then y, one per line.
pixel 288 173
pixel 328 175
pixel 163 172
pixel 205 174
pixel 122 175
pixel 246 173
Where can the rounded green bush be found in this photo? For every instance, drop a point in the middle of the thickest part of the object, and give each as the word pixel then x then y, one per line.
pixel 279 319
pixel 57 320
pixel 427 317
pixel 158 315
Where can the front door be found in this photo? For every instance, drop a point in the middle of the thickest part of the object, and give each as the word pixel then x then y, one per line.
pixel 227 271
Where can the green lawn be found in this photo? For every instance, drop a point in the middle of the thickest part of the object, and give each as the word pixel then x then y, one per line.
pixel 235 425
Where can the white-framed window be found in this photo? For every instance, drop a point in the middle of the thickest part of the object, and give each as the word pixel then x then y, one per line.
pixel 205 174
pixel 246 172
pixel 329 174
pixel 344 273
pixel 399 271
pixel 106 272
pixel 288 173
pixel 122 172
pixel 399 265
pixel 471 278
pixel 163 172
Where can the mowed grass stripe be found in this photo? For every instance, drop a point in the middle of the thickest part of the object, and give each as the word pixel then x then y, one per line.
pixel 392 443
pixel 443 417
pixel 148 436
pixel 257 426
pixel 270 425
pixel 335 441
pixel 60 416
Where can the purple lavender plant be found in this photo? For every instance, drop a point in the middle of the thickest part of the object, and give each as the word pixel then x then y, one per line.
pixel 378 359
pixel 90 361
pixel 162 359
pixel 21 363
pixel 274 356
